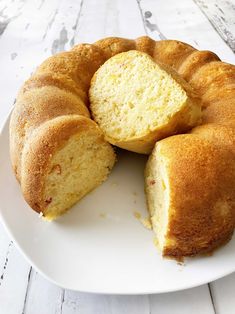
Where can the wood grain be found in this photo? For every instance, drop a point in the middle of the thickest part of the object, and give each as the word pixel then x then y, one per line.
pixel 109 18
pixel 184 22
pixel 14 279
pixel 42 295
pixel 101 304
pixel 221 15
pixel 191 301
pixel 223 294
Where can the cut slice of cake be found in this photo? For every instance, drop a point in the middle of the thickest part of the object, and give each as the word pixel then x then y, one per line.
pixel 136 101
pixel 69 159
pixel 190 195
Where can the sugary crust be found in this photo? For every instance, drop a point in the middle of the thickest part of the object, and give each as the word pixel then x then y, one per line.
pixel 195 61
pixel 219 134
pixel 172 52
pixel 114 45
pixel 202 196
pixel 51 136
pixel 79 64
pixel 63 82
pixel 145 44
pixel 34 107
pixel 213 80
pixel 93 54
pixel 221 111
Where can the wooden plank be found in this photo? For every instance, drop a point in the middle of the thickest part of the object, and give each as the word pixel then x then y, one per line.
pixel 42 296
pixel 100 304
pixel 184 22
pixel 193 301
pixel 221 14
pixel 14 282
pixel 109 18
pixel 223 294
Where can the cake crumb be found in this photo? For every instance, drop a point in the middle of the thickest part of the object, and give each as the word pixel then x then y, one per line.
pixel 135 193
pixel 40 215
pixel 144 221
pixel 137 215
pixel 155 242
pixel 103 215
pixel 114 184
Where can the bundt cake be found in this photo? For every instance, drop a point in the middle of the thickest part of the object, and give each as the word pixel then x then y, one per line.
pixel 137 101
pixel 190 195
pixel 54 144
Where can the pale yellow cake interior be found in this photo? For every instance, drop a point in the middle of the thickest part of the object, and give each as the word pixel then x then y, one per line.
pixel 131 95
pixel 76 169
pixel 158 191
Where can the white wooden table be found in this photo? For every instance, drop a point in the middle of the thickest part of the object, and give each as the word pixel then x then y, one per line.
pixel 30 31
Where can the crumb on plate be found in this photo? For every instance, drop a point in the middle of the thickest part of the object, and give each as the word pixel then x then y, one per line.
pixel 103 215
pixel 144 221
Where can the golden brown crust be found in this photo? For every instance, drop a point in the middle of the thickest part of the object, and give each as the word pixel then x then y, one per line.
pixel 172 52
pixel 145 44
pixel 36 156
pixel 222 111
pixel 79 64
pixel 53 79
pixel 194 62
pixel 114 45
pixel 93 54
pixel 33 108
pixel 213 80
pixel 219 134
pixel 68 64
pixel 202 196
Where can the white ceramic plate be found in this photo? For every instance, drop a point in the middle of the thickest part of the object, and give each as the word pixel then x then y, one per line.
pixel 99 246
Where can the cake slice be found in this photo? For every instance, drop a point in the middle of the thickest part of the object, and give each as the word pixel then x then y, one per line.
pixel 68 158
pixel 136 101
pixel 190 195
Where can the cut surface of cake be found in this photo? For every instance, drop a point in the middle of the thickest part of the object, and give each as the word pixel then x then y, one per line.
pixel 136 101
pixel 80 160
pixel 190 195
